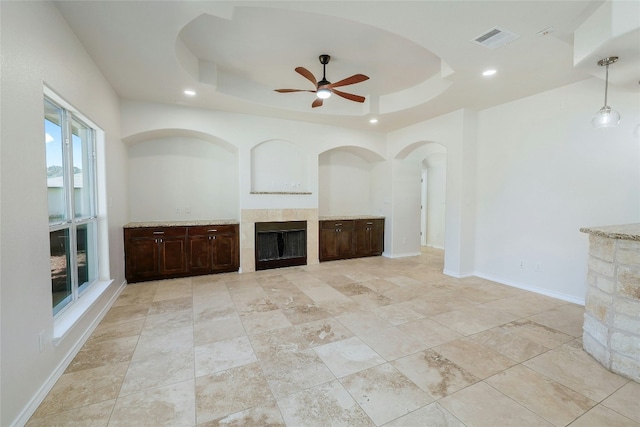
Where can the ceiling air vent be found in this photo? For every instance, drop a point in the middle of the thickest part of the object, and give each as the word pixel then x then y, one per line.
pixel 495 38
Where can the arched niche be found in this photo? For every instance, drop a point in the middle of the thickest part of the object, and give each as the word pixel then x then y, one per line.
pixel 179 175
pixel 347 181
pixel 279 166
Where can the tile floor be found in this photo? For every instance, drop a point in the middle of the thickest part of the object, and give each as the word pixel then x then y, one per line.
pixel 366 342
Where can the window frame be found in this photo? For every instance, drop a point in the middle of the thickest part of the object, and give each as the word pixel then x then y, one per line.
pixel 71 221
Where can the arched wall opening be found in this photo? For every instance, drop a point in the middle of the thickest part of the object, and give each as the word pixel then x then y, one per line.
pixel 181 175
pixel 420 176
pixel 347 178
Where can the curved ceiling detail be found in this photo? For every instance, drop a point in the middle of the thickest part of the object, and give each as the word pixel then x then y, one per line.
pixel 243 61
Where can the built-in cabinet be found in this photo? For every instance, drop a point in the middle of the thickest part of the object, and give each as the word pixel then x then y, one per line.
pixel 163 252
pixel 351 238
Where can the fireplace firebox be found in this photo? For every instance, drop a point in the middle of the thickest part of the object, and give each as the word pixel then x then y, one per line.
pixel 280 244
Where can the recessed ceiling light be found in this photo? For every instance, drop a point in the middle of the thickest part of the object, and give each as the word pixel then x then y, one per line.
pixel 374 120
pixel 489 72
pixel 190 92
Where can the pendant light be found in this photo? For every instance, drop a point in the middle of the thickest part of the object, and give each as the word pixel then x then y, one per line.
pixel 606 117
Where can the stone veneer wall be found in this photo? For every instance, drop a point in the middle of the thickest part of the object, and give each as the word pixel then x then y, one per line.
pixel 248 219
pixel 612 312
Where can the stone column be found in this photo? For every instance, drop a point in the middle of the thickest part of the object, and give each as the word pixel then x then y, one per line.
pixel 611 332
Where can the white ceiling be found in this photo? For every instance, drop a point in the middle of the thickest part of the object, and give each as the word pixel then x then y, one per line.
pixel 418 54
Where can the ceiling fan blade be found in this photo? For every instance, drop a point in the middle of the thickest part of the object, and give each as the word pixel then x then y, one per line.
pixel 293 90
pixel 349 96
pixel 356 78
pixel 307 75
pixel 317 103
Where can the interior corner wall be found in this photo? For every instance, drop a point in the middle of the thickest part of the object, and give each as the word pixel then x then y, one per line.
pixel 38 47
pixel 542 174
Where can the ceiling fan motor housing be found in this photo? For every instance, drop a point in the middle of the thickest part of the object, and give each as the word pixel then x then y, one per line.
pixel 324 59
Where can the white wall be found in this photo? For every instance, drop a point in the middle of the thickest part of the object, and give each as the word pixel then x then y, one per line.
pixel 543 173
pixel 344 185
pixel 180 178
pixel 38 47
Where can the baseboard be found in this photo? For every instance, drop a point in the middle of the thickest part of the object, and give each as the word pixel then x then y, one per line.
pixel 557 295
pixel 404 255
pixel 39 397
pixel 456 274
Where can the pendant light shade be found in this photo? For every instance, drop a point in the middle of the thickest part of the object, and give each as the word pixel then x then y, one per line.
pixel 606 117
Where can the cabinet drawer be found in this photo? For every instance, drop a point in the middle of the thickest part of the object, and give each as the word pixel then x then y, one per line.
pixel 212 229
pixel 369 222
pixel 156 232
pixel 336 224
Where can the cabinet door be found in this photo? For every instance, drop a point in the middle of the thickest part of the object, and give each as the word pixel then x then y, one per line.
pixel 173 255
pixel 344 241
pixel 225 252
pixel 200 254
pixel 363 241
pixel 328 244
pixel 142 259
pixel 377 239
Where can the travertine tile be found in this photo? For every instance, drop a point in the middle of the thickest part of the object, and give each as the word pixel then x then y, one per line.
pixel 480 405
pixel 603 416
pixel 525 305
pixel 472 320
pixel 348 356
pixel 71 391
pixel 541 334
pixel 257 322
pixel 172 405
pixel 547 398
pixel 103 352
pixel 625 401
pixel 432 415
pixel 227 392
pixel 206 332
pixel 571 366
pixel 397 314
pixel 221 355
pixel 568 318
pixel 259 416
pixel 171 305
pixel 126 313
pixel 363 321
pixel 384 393
pixel 391 343
pixel 480 360
pixel 323 331
pixel 509 344
pixel 435 374
pixel 325 404
pixel 110 331
pixel 158 369
pixel 295 371
pixel 429 332
pixel 94 415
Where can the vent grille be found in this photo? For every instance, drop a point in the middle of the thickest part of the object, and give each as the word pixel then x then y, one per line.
pixel 495 37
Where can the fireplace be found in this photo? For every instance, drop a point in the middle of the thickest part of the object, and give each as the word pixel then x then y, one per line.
pixel 280 244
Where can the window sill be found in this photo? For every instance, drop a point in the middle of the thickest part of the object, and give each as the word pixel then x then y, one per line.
pixel 63 324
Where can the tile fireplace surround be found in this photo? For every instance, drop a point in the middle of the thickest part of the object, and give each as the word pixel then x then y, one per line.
pixel 248 219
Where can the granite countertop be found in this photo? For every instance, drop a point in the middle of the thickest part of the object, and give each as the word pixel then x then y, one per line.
pixel 180 223
pixel 348 217
pixel 622 232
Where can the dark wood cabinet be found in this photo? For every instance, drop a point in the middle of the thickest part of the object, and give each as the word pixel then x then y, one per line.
pixel 351 238
pixel 213 249
pixel 369 237
pixel 336 240
pixel 153 253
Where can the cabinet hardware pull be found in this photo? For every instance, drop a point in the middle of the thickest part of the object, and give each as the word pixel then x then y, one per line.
pixel 369 223
pixel 214 237
pixel 209 231
pixel 158 232
pixel 338 225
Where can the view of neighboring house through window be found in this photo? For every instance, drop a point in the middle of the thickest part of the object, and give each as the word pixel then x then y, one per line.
pixel 71 186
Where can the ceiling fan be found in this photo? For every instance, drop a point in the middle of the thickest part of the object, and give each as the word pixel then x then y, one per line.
pixel 324 88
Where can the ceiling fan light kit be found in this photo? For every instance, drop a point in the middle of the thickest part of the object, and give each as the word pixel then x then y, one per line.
pixel 606 117
pixel 324 88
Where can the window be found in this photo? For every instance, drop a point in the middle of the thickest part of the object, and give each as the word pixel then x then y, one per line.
pixel 71 185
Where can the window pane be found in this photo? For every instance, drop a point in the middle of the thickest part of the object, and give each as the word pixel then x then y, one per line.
pixel 87 258
pixel 55 172
pixel 60 278
pixel 82 142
